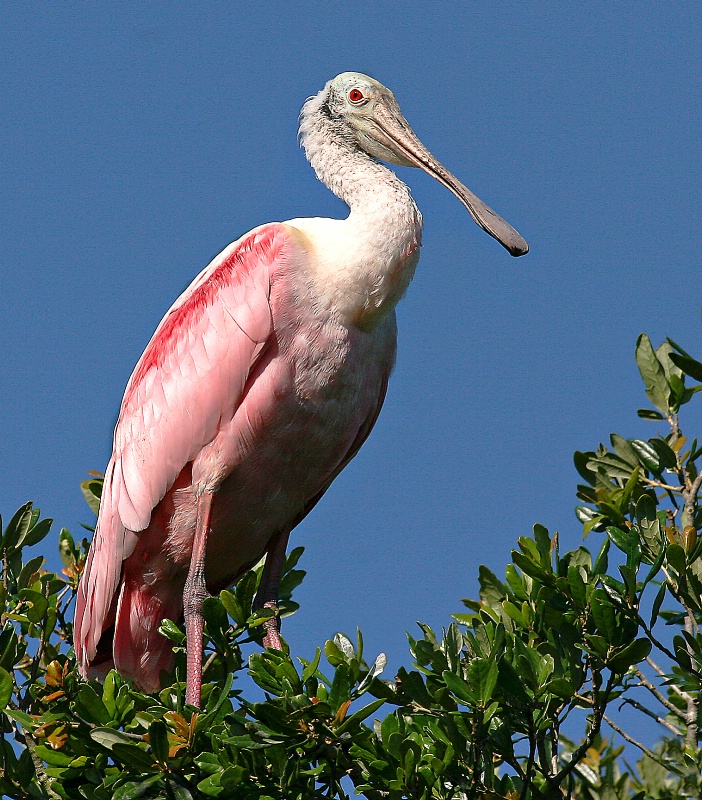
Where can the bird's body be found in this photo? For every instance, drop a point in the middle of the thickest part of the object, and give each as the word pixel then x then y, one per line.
pixel 259 385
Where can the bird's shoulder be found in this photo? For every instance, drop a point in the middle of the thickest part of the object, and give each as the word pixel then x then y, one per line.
pixel 232 291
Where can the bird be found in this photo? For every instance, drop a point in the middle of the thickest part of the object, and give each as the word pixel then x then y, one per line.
pixel 259 385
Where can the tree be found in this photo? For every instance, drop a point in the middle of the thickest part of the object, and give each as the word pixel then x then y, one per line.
pixel 560 645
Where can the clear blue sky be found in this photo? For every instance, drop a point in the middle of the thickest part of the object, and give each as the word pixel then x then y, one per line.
pixel 138 140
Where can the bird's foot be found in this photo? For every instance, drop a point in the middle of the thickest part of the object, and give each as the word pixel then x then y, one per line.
pixel 271 626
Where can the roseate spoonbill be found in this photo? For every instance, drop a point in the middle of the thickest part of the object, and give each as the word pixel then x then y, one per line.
pixel 257 388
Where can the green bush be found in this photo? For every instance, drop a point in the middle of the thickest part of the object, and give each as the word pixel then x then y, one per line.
pixel 562 643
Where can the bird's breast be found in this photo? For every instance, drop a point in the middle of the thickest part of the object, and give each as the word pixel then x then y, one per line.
pixel 315 390
pixel 359 270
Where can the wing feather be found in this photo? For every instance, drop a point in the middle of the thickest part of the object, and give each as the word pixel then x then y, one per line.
pixel 185 387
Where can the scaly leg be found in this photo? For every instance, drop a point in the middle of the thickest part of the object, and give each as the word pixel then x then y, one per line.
pixel 194 595
pixel 267 596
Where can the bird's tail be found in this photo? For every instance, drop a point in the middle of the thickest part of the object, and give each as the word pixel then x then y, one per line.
pixel 140 652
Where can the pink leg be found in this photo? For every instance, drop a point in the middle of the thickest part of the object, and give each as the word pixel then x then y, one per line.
pixel 267 596
pixel 194 595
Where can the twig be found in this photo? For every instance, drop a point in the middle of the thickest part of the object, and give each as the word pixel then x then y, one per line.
pixel 209 662
pixel 633 741
pixel 680 693
pixel 598 709
pixel 660 720
pixel 692 489
pixel 671 655
pixel 39 654
pixel 660 697
pixel 690 495
pixel 42 777
pixel 660 485
pixel 526 778
pixel 692 715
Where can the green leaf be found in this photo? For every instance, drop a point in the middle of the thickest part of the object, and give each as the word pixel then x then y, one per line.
pixel 290 581
pixel 29 569
pixel 310 667
pixel 672 371
pixel 577 586
pixel 632 654
pixel 688 365
pixel 211 785
pixel 39 605
pixel 626 540
pixel 24 719
pixel 18 526
pixel 180 792
pixel 652 373
pixel 675 556
pixel 561 688
pixel 171 631
pixel 665 453
pixel 360 715
pixel 233 607
pixel 344 646
pixel 482 676
pixel 649 413
pixel 134 789
pixel 133 756
pixel 92 492
pixel 158 739
pixel 512 682
pixel 108 737
pixel 514 613
pixel 647 455
pixel 216 619
pixel 622 447
pixel 90 706
pixel 6 687
pixel 543 544
pixel 67 548
pixel 35 534
pixel 340 690
pixel 53 757
pixel 245 591
pixel 581 461
pixel 459 688
pixel 603 614
pixel 213 706
pixel 492 590
pixel 585 514
pixel 376 669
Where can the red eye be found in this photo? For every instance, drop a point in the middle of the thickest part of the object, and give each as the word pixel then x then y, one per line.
pixel 356 95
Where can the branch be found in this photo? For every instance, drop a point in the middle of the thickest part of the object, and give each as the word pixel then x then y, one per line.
pixel 660 720
pixel 680 693
pixel 42 777
pixel 633 741
pixel 671 655
pixel 644 681
pixel 597 715
pixel 661 485
pixel 692 715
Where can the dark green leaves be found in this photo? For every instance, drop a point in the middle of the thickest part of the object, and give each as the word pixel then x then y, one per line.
pixel 480 713
pixel 653 374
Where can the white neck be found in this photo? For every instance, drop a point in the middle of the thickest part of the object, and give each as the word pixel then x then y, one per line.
pixel 367 260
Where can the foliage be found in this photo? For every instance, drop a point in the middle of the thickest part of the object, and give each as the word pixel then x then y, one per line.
pixel 519 697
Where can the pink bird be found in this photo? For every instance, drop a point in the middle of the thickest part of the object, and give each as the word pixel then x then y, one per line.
pixel 258 387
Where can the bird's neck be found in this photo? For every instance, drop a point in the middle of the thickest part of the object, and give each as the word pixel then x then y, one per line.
pixel 378 244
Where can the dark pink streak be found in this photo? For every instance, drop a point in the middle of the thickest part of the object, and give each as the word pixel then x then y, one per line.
pixel 233 271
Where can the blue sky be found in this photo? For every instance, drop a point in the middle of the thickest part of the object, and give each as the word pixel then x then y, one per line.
pixel 138 140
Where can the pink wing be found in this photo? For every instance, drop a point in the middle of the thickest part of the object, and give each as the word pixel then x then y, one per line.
pixel 188 381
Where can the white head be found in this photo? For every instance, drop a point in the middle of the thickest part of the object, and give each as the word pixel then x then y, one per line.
pixel 365 115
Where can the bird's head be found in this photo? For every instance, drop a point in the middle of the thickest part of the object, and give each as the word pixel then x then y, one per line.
pixel 366 114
